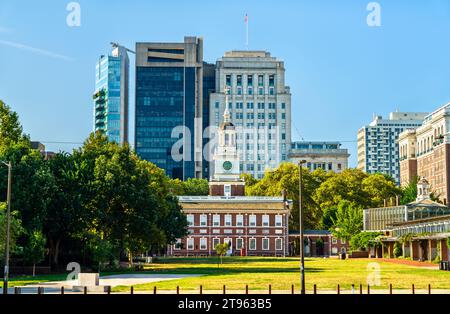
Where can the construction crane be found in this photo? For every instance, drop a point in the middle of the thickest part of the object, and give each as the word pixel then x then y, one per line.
pixel 116 45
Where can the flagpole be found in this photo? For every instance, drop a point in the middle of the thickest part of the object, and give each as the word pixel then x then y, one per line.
pixel 246 31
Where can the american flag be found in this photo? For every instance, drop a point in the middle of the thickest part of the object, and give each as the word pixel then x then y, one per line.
pixel 246 18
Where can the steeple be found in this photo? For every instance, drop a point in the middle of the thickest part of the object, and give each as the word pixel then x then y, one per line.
pixel 423 192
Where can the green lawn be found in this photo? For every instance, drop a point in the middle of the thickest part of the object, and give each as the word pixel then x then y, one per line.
pixel 281 273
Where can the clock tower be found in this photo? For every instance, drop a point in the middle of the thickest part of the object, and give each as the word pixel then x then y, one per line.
pixel 226 180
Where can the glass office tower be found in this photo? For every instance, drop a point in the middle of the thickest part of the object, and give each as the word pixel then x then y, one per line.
pixel 169 106
pixel 111 95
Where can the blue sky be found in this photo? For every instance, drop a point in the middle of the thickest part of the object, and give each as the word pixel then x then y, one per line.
pixel 340 70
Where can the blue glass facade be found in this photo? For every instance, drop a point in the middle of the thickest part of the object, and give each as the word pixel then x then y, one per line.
pixel 107 108
pixel 165 99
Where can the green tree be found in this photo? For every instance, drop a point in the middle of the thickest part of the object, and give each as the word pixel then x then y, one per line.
pixel 10 129
pixel 379 187
pixel 348 222
pixel 221 250
pixel 34 251
pixel 364 240
pixel 101 250
pixel 409 192
pixel 16 230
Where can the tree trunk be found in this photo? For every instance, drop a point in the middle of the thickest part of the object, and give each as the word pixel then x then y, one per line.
pixel 34 270
pixel 56 252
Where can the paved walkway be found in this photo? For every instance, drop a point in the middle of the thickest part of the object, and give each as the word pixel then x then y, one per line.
pixel 113 281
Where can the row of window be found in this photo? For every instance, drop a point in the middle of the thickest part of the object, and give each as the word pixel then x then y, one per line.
pixel 250 105
pixel 252 244
pixel 227 220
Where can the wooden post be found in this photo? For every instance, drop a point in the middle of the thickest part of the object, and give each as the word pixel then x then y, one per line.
pixel 154 290
pixel 201 289
pixel 338 289
pixel 85 290
pixel 368 289
pixel 315 289
pixel 224 289
pixel 413 289
pixel 390 288
pixel 246 289
pixel 17 290
pixel 292 289
pixel 108 290
pixel 40 290
pixel 62 290
pixel 178 289
pixel 360 288
pixel 429 288
pixel 132 290
pixel 270 289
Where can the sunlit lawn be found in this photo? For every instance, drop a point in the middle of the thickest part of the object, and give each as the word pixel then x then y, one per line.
pixel 281 273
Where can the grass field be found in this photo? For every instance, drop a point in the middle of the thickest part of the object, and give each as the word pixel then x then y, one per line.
pixel 281 273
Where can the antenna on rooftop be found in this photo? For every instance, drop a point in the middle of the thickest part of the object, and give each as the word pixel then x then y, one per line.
pixel 246 30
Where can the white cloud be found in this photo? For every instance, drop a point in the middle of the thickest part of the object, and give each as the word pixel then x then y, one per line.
pixel 35 50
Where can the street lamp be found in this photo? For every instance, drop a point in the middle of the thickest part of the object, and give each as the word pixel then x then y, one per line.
pixel 8 223
pixel 300 214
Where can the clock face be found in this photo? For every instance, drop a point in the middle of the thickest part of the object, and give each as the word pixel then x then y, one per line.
pixel 227 165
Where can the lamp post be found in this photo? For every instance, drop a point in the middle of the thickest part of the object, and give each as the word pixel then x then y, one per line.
pixel 300 214
pixel 8 223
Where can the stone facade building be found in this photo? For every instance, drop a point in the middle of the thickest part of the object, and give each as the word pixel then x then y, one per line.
pixel 260 105
pixel 325 155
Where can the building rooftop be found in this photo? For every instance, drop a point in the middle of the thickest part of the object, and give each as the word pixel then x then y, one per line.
pixel 230 199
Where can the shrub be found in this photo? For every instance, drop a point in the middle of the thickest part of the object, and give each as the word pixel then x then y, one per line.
pixel 397 250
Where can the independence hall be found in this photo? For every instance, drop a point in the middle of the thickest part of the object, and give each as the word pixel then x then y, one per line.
pixel 251 225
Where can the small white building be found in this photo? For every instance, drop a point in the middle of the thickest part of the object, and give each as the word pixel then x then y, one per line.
pixel 320 155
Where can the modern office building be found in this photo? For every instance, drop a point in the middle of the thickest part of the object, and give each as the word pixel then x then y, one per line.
pixel 325 155
pixel 170 106
pixel 429 156
pixel 378 150
pixel 111 95
pixel 260 105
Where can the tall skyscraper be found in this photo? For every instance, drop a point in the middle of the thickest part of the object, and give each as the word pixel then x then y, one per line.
pixel 378 150
pixel 170 106
pixel 111 95
pixel 260 106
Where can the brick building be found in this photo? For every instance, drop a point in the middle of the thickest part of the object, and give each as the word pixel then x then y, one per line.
pixel 251 225
pixel 318 243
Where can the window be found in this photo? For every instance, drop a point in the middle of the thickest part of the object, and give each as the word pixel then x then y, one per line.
pixel 252 219
pixel 216 242
pixel 239 243
pixel 249 105
pixel 278 220
pixel 190 220
pixel 229 242
pixel 228 79
pixel 342 241
pixel 265 244
pixel 227 190
pixel 239 220
pixel 203 220
pixel 334 241
pixel 250 90
pixel 260 91
pixel 202 244
pixel 265 220
pixel 279 244
pixel 178 245
pixel 252 244
pixel 250 80
pixel 190 243
pixel 228 220
pixel 260 80
pixel 271 80
pixel 216 220
pixel 239 80
pixel 283 106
